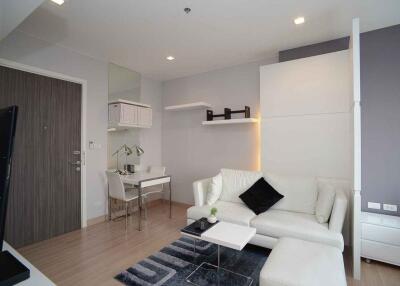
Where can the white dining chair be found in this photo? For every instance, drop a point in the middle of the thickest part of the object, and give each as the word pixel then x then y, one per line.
pixel 153 190
pixel 140 168
pixel 117 191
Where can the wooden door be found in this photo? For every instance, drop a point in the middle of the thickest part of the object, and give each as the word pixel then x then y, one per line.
pixel 45 194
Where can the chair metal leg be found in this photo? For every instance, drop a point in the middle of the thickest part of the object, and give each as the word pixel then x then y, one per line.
pixel 109 208
pixel 170 200
pixel 140 208
pixel 109 202
pixel 145 207
pixel 126 216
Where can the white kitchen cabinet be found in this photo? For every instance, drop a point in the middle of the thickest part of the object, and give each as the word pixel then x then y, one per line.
pixel 124 114
pixel 145 116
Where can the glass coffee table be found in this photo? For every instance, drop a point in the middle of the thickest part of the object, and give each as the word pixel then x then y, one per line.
pixel 222 234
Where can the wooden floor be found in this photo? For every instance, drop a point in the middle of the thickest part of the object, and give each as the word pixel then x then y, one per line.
pixel 93 256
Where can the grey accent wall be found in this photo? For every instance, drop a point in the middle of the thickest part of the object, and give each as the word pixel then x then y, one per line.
pixel 191 151
pixel 380 111
pixel 380 117
pixel 315 49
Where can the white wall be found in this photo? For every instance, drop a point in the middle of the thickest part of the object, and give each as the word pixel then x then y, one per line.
pixel 31 51
pixel 191 151
pixel 151 138
pixel 305 107
pixel 116 139
pixel 122 84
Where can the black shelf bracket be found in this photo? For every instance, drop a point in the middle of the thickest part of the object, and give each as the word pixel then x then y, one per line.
pixel 228 113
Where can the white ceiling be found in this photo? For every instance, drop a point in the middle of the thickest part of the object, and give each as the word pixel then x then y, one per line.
pixel 139 34
pixel 13 12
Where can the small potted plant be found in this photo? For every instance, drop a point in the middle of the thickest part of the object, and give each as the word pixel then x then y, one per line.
pixel 212 218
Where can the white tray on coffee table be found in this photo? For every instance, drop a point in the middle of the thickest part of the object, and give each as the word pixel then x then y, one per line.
pixel 222 234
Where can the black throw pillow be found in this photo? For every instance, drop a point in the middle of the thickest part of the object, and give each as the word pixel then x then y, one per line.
pixel 260 196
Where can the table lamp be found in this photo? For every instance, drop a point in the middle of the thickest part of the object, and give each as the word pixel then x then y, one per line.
pixel 127 151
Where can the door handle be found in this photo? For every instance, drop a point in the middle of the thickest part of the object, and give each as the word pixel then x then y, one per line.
pixel 77 163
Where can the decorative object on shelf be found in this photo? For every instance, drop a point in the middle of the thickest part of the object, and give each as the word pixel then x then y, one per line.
pixel 124 149
pixel 198 227
pixel 212 218
pixel 228 113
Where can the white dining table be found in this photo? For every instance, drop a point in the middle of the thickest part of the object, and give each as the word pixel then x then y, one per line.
pixel 144 179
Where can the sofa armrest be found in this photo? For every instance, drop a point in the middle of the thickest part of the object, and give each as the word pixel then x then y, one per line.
pixel 200 188
pixel 338 214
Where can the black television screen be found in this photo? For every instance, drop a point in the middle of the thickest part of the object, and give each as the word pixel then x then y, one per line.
pixel 8 121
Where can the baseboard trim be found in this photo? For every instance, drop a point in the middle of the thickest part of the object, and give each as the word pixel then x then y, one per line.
pixel 96 220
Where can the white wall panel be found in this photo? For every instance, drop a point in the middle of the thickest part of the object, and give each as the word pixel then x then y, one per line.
pixel 314 85
pixel 305 111
pixel 306 121
pixel 316 145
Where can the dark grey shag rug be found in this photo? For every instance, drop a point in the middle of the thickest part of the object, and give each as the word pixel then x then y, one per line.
pixel 174 263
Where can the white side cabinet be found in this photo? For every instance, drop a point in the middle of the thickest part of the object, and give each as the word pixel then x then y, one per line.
pixel 380 237
pixel 125 114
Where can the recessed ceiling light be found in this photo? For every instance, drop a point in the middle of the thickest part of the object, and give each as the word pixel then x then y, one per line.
pixel 59 2
pixel 170 58
pixel 299 20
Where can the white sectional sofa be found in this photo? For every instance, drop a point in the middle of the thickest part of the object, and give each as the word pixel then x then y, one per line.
pixel 293 216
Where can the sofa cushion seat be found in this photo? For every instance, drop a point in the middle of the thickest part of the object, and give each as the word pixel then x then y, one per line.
pixel 295 262
pixel 278 224
pixel 227 211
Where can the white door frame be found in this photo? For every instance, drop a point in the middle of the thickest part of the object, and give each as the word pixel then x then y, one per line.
pixel 39 71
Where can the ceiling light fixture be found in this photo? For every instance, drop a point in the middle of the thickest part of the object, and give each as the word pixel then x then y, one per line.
pixel 299 20
pixel 170 58
pixel 58 2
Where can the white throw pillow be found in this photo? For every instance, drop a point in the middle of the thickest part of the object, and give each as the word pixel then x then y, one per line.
pixel 214 190
pixel 300 192
pixel 325 201
pixel 236 182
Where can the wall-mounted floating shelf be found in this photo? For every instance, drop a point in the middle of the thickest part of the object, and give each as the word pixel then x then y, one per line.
pixel 188 106
pixel 122 126
pixel 231 121
pixel 129 102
